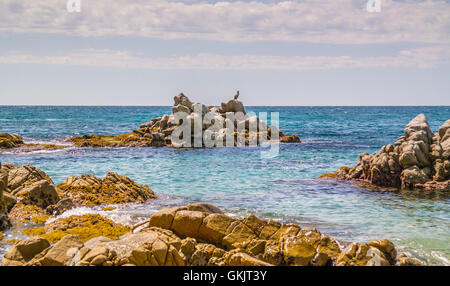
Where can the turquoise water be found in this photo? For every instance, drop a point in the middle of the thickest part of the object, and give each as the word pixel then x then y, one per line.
pixel 239 181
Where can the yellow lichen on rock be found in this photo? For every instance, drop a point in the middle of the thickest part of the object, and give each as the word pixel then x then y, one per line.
pixel 90 190
pixel 27 213
pixel 85 227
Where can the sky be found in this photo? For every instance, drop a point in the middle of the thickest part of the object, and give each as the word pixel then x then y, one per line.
pixel 311 52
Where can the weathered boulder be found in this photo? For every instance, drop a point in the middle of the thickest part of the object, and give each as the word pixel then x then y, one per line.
pixel 233 105
pixel 23 251
pixel 40 194
pixel 418 160
pixel 18 176
pixel 183 100
pixel 61 252
pixel 113 188
pixel 357 254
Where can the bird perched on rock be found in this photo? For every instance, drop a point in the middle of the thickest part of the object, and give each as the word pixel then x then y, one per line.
pixel 236 95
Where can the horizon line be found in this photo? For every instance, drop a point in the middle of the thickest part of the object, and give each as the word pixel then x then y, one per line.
pixel 82 105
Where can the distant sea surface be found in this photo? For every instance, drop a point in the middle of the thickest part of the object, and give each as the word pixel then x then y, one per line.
pixel 240 182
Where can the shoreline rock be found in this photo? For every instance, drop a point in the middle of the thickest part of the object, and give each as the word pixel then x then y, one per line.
pixel 89 190
pixel 158 132
pixel 27 194
pixel 419 160
pixel 196 234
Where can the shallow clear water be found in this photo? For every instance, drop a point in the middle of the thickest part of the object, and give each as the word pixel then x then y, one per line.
pixel 239 181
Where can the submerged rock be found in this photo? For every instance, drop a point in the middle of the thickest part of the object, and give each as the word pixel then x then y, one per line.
pixel 90 190
pixel 197 125
pixel 418 160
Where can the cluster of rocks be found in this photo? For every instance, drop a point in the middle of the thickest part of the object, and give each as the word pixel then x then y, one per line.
pixel 218 129
pixel 196 234
pixel 27 194
pixel 418 160
pixel 201 235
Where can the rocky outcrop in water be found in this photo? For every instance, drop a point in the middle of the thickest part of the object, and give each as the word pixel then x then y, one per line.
pixel 418 160
pixel 205 126
pixel 10 140
pixel 196 234
pixel 15 142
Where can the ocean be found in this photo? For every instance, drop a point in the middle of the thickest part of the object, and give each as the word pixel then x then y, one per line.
pixel 240 182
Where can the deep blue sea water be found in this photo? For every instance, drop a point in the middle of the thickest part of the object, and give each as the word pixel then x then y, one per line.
pixel 239 181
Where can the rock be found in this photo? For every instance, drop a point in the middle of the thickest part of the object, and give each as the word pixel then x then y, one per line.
pixel 386 247
pixel 85 227
pixel 40 194
pixel 357 254
pixel 9 201
pixel 27 213
pixel 90 190
pixel 187 223
pixel 233 105
pixel 403 260
pixel 60 207
pixel 181 99
pixel 181 108
pixel 213 228
pixel 10 140
pixel 290 139
pixel 18 176
pixel 418 160
pixel 62 251
pixel 23 251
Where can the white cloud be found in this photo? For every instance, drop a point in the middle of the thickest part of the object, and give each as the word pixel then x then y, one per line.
pixel 427 57
pixel 342 21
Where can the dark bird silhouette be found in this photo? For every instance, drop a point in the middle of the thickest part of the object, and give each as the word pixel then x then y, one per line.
pixel 236 95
